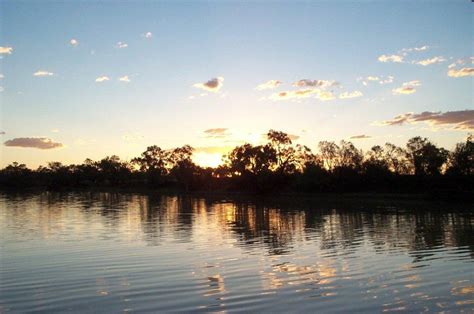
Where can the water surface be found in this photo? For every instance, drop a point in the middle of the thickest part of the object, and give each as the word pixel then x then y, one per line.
pixel 110 252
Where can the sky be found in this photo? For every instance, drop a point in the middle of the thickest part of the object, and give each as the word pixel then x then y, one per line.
pixel 88 79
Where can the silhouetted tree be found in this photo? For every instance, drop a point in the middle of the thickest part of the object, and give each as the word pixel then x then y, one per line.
pixel 154 162
pixel 462 158
pixel 425 157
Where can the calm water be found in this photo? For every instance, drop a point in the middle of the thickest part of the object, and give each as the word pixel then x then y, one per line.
pixel 124 253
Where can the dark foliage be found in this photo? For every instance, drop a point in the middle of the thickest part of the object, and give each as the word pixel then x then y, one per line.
pixel 276 166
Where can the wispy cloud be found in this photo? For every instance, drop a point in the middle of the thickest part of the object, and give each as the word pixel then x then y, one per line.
pixel 121 45
pixel 213 85
pixel 407 88
pixel 461 72
pixel 216 133
pixel 457 120
pixel 399 57
pixel 315 83
pixel 417 49
pixel 74 42
pixel 303 93
pixel 453 71
pixel 391 58
pixel 360 137
pixel 389 79
pixel 269 85
pixel 353 94
pixel 430 61
pixel 1 76
pixel 294 94
pixel 124 79
pixel 43 73
pixel 6 50
pixel 381 79
pixel 148 35
pixel 33 142
pixel 101 79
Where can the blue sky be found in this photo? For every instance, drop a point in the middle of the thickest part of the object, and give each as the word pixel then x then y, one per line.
pixel 246 44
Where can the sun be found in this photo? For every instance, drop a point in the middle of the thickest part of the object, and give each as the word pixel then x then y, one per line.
pixel 208 159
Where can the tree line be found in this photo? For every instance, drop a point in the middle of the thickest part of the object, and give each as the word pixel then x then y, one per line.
pixel 277 165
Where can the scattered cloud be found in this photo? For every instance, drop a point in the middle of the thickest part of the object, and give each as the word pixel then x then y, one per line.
pixel 43 73
pixel 391 58
pixel 467 71
pixel 74 42
pixel 406 88
pixel 389 79
pixel 33 142
pixel 381 79
pixel 412 83
pixel 324 95
pixel 2 133
pixel 6 50
pixel 121 45
pixel 1 89
pixel 101 79
pixel 360 137
pixel 315 83
pixel 124 79
pixel 302 93
pixel 216 133
pixel 405 51
pixel 457 120
pixel 1 76
pixel 148 35
pixel 213 85
pixel 353 94
pixel 269 85
pixel 400 55
pixel 430 61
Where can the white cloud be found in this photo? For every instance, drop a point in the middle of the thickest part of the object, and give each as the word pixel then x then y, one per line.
pixel 467 71
pixel 315 83
pixel 213 85
pixel 391 58
pixel 148 35
pixel 101 79
pixel 388 80
pixel 43 73
pixel 121 45
pixel 404 90
pixel 6 50
pixel 302 93
pixel 1 76
pixel 124 79
pixel 74 42
pixel 353 94
pixel 269 85
pixel 430 61
pixel 407 88
pixel 412 83
pixel 325 96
